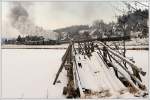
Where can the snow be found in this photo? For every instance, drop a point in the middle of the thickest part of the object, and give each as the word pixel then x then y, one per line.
pixel 106 77
pixel 134 42
pixel 29 73
pixel 138 41
pixel 9 46
pixel 86 75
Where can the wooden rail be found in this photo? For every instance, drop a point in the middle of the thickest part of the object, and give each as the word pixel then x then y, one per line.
pixel 133 65
pixel 131 75
pixel 77 80
pixel 63 62
pixel 130 82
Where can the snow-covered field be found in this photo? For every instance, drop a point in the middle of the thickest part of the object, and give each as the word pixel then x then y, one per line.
pixel 10 46
pixel 29 73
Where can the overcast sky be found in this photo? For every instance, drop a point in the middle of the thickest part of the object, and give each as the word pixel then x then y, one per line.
pixel 53 15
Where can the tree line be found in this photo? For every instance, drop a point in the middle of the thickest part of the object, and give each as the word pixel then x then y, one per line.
pixel 131 22
pixel 31 40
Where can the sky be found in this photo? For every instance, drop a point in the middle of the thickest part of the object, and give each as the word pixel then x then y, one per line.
pixel 54 15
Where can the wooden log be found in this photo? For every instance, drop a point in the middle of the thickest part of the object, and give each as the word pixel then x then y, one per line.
pixel 71 90
pixel 141 86
pixel 62 65
pixel 124 59
pixel 105 52
pixel 130 82
pixel 131 75
pixel 92 47
pixel 82 95
pixel 65 90
pixel 109 56
pixel 136 73
pixel 77 78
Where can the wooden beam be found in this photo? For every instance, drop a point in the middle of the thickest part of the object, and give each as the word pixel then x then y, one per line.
pixel 77 80
pixel 63 62
pixel 133 65
pixel 141 86
pixel 131 83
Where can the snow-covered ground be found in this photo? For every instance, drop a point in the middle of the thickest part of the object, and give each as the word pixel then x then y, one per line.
pixel 138 41
pixel 134 42
pixel 10 46
pixel 29 73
